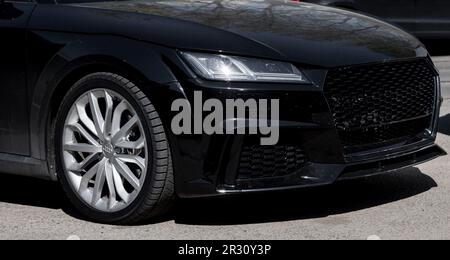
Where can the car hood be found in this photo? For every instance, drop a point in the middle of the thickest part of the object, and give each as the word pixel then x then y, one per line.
pixel 297 32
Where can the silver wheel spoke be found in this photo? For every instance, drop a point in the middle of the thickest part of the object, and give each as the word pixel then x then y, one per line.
pixel 100 179
pixel 77 167
pixel 105 150
pixel 125 130
pixel 79 129
pixel 97 115
pixel 84 118
pixel 139 161
pixel 83 148
pixel 109 112
pixel 110 182
pixel 115 125
pixel 88 176
pixel 139 144
pixel 125 172
pixel 119 186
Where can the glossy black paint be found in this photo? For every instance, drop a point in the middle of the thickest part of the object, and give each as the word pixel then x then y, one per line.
pixel 423 18
pixel 325 37
pixel 55 45
pixel 13 102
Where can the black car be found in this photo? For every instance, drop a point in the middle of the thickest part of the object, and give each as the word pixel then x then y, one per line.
pixel 426 19
pixel 87 94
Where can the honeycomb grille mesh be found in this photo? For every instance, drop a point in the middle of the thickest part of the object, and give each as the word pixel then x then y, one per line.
pixel 374 104
pixel 270 161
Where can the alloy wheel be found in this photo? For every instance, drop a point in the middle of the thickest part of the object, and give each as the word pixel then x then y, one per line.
pixel 105 153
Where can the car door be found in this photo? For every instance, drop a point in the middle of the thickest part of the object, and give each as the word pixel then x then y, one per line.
pixel 433 18
pixel 14 132
pixel 399 12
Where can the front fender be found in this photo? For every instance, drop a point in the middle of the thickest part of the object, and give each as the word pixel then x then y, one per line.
pixel 152 64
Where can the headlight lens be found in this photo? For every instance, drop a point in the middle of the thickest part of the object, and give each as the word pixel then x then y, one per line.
pixel 232 68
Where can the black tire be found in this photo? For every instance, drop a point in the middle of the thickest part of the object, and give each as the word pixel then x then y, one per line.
pixel 157 193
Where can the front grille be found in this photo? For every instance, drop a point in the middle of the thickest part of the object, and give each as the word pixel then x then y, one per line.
pixel 270 161
pixel 384 134
pixel 373 105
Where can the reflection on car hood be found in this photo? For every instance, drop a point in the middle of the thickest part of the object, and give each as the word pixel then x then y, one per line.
pixel 299 32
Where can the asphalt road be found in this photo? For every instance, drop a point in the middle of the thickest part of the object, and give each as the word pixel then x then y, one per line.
pixel 409 204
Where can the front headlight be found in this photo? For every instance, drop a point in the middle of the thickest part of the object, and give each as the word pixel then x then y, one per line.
pixel 232 68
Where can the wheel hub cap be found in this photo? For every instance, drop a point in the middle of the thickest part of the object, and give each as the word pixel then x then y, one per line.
pixel 108 150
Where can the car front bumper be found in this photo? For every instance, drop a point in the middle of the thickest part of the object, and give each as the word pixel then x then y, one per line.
pixel 211 165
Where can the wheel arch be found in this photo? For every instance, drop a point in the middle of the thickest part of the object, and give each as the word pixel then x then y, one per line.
pixel 134 60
